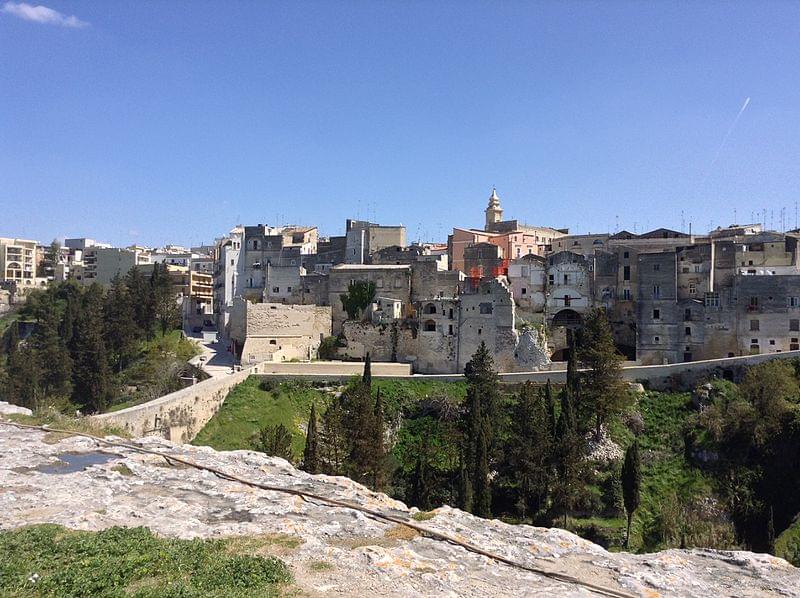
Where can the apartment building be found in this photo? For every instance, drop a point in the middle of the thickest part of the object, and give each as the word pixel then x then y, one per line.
pixel 18 261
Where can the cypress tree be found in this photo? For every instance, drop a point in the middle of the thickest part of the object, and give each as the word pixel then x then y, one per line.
pixel 142 299
pixel 310 457
pixel 482 501
pixel 367 377
pixel 120 322
pixel 332 445
pixel 54 361
pixel 378 438
pixel 478 428
pixel 91 376
pixel 631 484
pixel 568 455
pixel 67 326
pixel 530 450
pixel 550 406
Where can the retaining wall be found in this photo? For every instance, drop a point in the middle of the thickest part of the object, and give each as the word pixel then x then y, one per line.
pixel 180 415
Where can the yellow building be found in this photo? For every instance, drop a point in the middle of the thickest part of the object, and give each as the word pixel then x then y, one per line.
pixel 18 261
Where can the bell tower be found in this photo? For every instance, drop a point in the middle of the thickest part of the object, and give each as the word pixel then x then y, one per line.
pixel 494 213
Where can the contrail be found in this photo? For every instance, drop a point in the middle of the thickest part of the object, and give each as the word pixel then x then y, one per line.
pixel 728 134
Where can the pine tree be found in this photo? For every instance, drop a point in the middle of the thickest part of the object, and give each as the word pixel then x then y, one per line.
pixel 605 392
pixel 275 441
pixel 631 484
pixel 91 376
pixel 310 457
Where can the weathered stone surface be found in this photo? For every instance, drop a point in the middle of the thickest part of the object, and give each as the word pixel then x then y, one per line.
pixel 361 556
pixel 9 409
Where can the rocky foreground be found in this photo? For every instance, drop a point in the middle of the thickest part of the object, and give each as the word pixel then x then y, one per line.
pixel 333 551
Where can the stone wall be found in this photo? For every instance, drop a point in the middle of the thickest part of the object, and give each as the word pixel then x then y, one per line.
pixel 178 416
pixel 270 331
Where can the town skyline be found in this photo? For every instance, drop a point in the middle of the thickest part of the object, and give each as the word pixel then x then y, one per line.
pixel 117 118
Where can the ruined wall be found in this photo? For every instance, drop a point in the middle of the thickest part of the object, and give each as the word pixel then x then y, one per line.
pixel 488 316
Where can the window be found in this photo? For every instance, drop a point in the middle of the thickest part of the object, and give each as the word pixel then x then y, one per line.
pixel 379 283
pixel 794 345
pixel 688 331
pixel 524 291
pixel 288 289
pixel 692 288
pixel 626 294
pixel 656 291
pixel 551 279
pixel 753 302
pixel 685 269
pixel 656 340
pixel 626 254
pixel 794 325
pixel 793 301
pixel 754 325
pixel 276 289
pixel 656 267
pixel 430 308
pixel 697 268
pixel 429 326
pixel 272 341
pixel 450 330
pixel 626 273
pixel 712 300
pixel 567 300
pixel 656 314
pixel 480 330
pixel 566 278
pixel 486 308
pixel 772 341
pixel 450 313
pixel 687 315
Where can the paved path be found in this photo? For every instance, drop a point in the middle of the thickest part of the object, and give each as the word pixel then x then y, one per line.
pixel 214 358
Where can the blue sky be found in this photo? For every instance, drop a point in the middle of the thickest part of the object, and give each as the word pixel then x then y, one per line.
pixel 171 121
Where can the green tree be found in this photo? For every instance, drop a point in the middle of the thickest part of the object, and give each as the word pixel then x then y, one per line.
pixel 54 361
pixel 120 322
pixel 364 434
pixel 360 294
pixel 568 457
pixel 311 462
pixel 142 299
pixel 366 378
pixel 275 441
pixel 332 439
pixel 91 375
pixel 530 446
pixel 631 484
pixel 165 303
pixel 478 426
pixel 604 391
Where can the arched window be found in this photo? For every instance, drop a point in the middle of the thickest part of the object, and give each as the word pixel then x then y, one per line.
pixel 429 308
pixel 429 326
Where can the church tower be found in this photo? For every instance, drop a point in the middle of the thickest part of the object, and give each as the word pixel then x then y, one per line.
pixel 494 213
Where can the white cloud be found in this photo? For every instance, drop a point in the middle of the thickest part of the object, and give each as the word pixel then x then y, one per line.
pixel 42 14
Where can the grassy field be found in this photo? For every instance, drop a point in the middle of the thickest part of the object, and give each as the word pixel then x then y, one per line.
pixel 249 408
pixel 49 560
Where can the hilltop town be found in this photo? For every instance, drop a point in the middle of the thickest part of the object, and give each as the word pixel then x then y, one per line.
pixel 284 293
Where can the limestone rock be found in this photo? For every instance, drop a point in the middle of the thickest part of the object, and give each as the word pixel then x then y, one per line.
pixel 531 352
pixel 362 556
pixel 9 409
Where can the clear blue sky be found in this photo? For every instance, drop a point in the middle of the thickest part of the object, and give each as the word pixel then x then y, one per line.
pixel 171 121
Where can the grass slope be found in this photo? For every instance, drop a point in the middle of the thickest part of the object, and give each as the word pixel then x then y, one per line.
pixel 249 408
pixel 49 560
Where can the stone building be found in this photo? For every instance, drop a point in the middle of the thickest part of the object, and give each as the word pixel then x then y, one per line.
pixel 391 281
pixel 365 238
pixel 277 332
